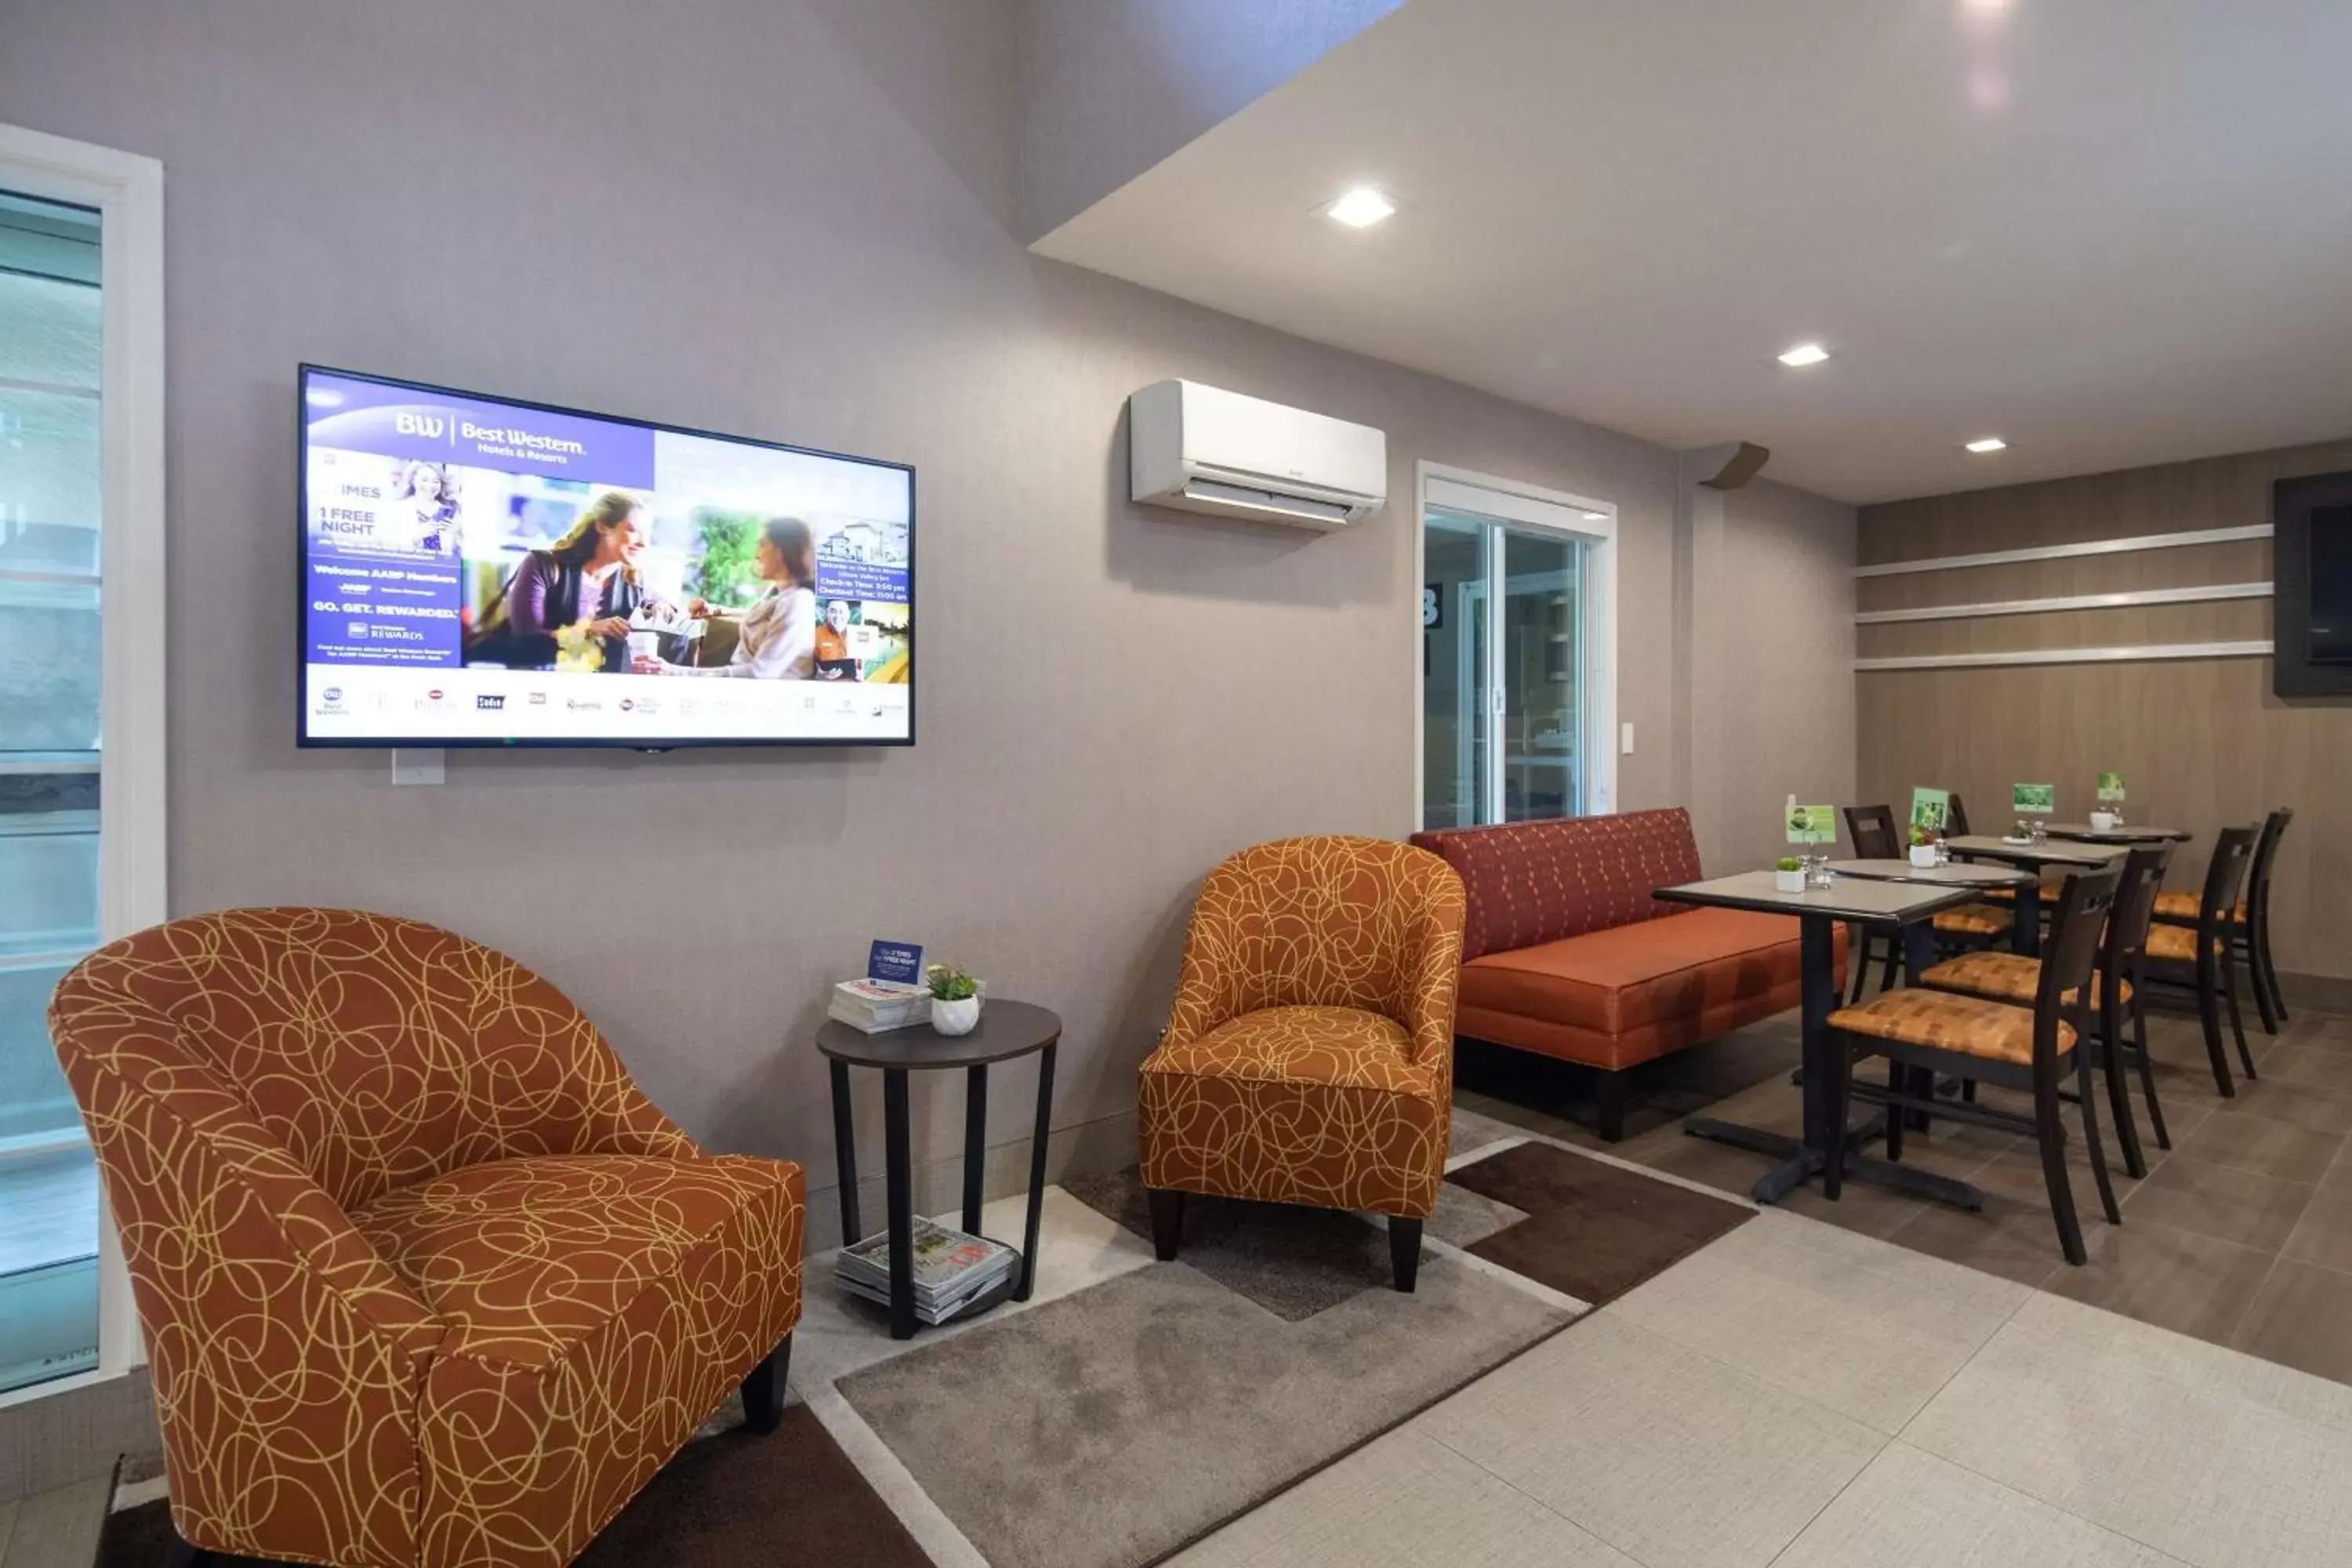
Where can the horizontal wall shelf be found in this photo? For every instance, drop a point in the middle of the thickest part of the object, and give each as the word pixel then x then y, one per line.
pixel 2126 600
pixel 2139 653
pixel 2063 551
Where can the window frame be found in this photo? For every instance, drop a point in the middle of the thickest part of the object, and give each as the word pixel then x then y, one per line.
pixel 1536 509
pixel 127 189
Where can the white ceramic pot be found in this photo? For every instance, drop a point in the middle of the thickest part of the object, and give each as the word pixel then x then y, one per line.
pixel 1788 881
pixel 956 1017
pixel 1924 857
pixel 2105 822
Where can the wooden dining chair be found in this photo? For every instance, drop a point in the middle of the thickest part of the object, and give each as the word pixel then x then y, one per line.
pixel 2202 959
pixel 2249 923
pixel 1871 830
pixel 1955 825
pixel 2117 995
pixel 1877 836
pixel 1925 1033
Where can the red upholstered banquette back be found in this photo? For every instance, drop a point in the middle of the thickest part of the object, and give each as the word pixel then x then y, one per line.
pixel 1533 882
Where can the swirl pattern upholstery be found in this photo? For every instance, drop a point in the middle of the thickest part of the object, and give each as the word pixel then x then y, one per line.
pixel 1310 1056
pixel 425 1281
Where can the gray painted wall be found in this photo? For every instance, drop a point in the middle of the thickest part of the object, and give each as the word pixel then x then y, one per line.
pixel 1108 87
pixel 1769 606
pixel 797 221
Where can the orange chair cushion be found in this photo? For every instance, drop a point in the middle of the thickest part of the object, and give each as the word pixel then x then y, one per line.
pixel 2188 906
pixel 2051 886
pixel 1975 920
pixel 529 1259
pixel 2176 944
pixel 1297 1105
pixel 2002 976
pixel 1341 1047
pixel 1944 1022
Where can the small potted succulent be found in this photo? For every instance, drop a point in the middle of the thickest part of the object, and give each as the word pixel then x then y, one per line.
pixel 1923 846
pixel 955 998
pixel 1789 875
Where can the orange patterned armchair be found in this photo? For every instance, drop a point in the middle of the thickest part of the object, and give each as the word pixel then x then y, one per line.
pixel 425 1279
pixel 1309 1058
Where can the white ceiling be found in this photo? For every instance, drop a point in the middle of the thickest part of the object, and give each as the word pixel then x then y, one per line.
pixel 2114 232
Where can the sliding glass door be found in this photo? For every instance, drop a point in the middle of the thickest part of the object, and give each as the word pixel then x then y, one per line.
pixel 51 486
pixel 1513 657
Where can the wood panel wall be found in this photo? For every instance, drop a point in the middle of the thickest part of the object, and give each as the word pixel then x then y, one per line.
pixel 2200 743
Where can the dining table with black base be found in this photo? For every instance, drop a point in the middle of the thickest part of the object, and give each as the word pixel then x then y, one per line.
pixel 1006 1029
pixel 2119 833
pixel 1909 907
pixel 2035 855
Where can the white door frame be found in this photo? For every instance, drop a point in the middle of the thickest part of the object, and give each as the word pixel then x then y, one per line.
pixel 128 192
pixel 1533 507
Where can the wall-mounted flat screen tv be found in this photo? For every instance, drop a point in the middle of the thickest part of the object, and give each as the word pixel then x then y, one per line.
pixel 2331 584
pixel 481 572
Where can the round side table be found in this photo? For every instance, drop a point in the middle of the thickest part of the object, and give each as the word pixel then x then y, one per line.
pixel 1006 1029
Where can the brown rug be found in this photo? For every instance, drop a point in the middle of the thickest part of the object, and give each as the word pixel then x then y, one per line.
pixel 732 1500
pixel 1592 1229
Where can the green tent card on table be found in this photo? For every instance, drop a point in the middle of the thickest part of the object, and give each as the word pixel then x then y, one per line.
pixel 2111 787
pixel 1813 825
pixel 1931 809
pixel 2034 799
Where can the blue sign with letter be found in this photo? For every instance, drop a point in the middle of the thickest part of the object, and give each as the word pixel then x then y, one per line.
pixel 898 961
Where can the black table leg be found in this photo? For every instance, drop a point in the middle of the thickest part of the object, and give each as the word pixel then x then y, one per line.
pixel 1918 950
pixel 1802 1158
pixel 1918 940
pixel 1037 1172
pixel 898 1139
pixel 2025 936
pixel 845 1154
pixel 1818 973
pixel 975 1142
pixel 1799 1157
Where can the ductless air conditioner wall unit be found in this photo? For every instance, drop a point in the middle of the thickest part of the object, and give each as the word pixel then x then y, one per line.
pixel 1207 450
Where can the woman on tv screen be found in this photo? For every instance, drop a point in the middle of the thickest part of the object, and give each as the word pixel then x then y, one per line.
pixel 588 579
pixel 778 635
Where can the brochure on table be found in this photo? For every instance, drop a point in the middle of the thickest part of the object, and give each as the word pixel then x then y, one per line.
pixel 1931 809
pixel 889 996
pixel 1811 823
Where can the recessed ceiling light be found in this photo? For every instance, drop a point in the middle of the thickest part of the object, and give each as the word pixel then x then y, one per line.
pixel 1986 444
pixel 1804 354
pixel 1360 208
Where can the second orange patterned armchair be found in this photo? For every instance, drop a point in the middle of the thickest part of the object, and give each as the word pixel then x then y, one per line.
pixel 1309 1057
pixel 427 1281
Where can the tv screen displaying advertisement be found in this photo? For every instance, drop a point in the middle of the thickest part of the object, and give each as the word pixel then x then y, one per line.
pixel 479 571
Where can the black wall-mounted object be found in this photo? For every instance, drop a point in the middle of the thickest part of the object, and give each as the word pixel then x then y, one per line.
pixel 2311 569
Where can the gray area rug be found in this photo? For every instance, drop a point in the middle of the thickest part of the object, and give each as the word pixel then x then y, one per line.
pixel 1295 1262
pixel 1113 1427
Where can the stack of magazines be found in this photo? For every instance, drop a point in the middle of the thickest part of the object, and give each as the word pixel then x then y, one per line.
pixel 875 1005
pixel 953 1269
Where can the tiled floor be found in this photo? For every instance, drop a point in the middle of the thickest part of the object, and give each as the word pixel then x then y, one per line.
pixel 1806 1394
pixel 2239 1235
pixel 1797 1396
pixel 1794 1395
